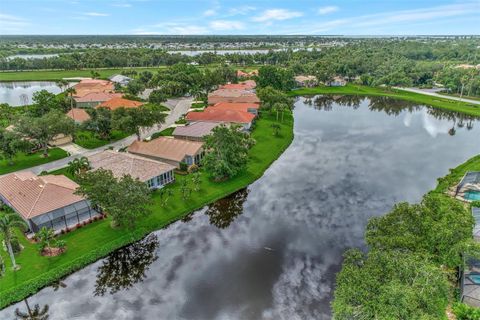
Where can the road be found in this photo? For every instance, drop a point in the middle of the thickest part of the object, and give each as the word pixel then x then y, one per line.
pixel 178 108
pixel 434 94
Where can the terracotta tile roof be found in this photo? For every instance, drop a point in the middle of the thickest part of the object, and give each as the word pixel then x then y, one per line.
pixel 196 129
pixel 79 115
pixel 235 106
pixel 87 86
pixel 166 148
pixel 232 95
pixel 116 103
pixel 31 195
pixel 244 85
pixel 121 163
pixel 221 115
pixel 97 97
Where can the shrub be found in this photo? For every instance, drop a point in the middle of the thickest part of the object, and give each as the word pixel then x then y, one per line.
pixel 183 166
pixel 193 168
pixel 16 247
pixel 2 267
pixel 465 312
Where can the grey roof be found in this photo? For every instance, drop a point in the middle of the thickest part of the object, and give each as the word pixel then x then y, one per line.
pixel 119 78
pixel 196 129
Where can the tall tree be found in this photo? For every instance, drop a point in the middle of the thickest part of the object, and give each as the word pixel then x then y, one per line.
pixel 10 144
pixel 78 166
pixel 43 102
pixel 9 221
pixel 227 151
pixel 133 119
pixel 276 77
pixel 100 122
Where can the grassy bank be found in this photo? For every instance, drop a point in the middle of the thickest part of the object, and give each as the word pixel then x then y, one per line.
pixel 24 161
pixel 98 239
pixel 446 104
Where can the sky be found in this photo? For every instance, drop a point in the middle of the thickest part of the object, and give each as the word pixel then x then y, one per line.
pixel 189 17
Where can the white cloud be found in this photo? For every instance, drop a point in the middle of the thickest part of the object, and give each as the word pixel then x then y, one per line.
pixel 327 10
pixel 9 23
pixel 172 28
pixel 226 25
pixel 122 5
pixel 277 14
pixel 96 14
pixel 243 10
pixel 209 12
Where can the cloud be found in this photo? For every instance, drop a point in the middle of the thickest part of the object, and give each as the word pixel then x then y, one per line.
pixel 226 25
pixel 277 14
pixel 96 14
pixel 243 10
pixel 171 28
pixel 327 10
pixel 122 5
pixel 209 12
pixel 10 23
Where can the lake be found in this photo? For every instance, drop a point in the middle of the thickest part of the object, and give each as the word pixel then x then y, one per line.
pixel 193 53
pixel 32 56
pixel 20 93
pixel 271 251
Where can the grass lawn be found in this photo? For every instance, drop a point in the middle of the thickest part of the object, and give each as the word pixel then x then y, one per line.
pixel 163 133
pixel 458 96
pixel 24 161
pixel 88 140
pixel 97 239
pixel 457 174
pixel 446 104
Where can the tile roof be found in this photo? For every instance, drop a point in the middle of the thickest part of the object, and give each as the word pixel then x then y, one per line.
pixel 121 163
pixel 77 114
pixel 88 86
pixel 97 97
pixel 221 115
pixel 233 95
pixel 167 148
pixel 116 103
pixel 31 195
pixel 244 85
pixel 238 106
pixel 196 129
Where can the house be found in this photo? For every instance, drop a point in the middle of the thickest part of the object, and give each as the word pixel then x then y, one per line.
pixel 244 85
pixel 86 86
pixel 154 173
pixel 194 131
pixel 170 150
pixel 245 107
pixel 120 79
pixel 470 280
pixel 116 103
pixel 469 187
pixel 93 99
pixel 337 82
pixel 78 115
pixel 232 95
pixel 45 201
pixel 306 81
pixel 242 118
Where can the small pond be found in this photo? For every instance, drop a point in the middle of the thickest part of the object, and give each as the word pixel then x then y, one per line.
pixel 20 93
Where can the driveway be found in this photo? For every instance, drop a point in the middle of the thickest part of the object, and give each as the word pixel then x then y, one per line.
pixel 433 93
pixel 178 108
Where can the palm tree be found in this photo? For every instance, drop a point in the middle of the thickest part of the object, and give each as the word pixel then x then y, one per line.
pixel 45 237
pixel 8 221
pixel 78 165
pixel 35 314
pixel 71 91
pixel 62 84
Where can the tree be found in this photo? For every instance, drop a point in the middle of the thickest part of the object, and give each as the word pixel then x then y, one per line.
pixel 9 221
pixel 35 314
pixel 46 238
pixel 133 119
pixel 196 180
pixel 165 194
pixel 275 77
pixel 271 97
pixel 45 128
pixel 125 199
pixel 185 189
pixel 10 144
pixel 78 166
pixel 62 84
pixel 6 112
pixel 94 74
pixel 70 92
pixel 276 129
pixel 134 87
pixel 145 77
pixel 44 102
pixel 157 97
pixel 227 151
pixel 100 122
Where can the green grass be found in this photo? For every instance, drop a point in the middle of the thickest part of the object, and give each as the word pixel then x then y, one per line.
pixel 446 104
pixel 163 133
pixel 96 240
pixel 457 174
pixel 199 105
pixel 89 140
pixel 458 96
pixel 24 161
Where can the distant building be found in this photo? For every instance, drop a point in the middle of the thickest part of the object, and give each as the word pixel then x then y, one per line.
pixel 120 79
pixel 78 115
pixel 116 103
pixel 45 201
pixel 212 114
pixel 169 150
pixel 154 173
pixel 306 81
pixel 245 107
pixel 194 131
pixel 93 99
pixel 244 85
pixel 232 95
pixel 337 82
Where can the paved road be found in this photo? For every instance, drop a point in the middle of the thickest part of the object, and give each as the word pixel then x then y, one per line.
pixel 178 108
pixel 434 94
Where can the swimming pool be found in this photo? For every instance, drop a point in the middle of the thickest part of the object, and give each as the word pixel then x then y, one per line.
pixel 472 195
pixel 475 278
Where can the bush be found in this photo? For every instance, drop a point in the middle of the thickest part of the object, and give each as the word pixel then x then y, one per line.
pixel 183 166
pixel 16 247
pixel 465 312
pixel 193 168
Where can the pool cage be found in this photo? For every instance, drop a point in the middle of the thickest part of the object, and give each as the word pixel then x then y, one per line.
pixel 470 282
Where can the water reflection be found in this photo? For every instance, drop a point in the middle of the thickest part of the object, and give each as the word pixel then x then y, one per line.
pixel 37 313
pixel 126 267
pixel 20 93
pixel 222 213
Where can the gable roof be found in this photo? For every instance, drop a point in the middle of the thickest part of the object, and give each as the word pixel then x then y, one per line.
pixel 234 95
pixel 87 86
pixel 238 106
pixel 196 129
pixel 116 103
pixel 121 163
pixel 31 195
pixel 97 97
pixel 77 114
pixel 167 148
pixel 119 78
pixel 244 85
pixel 221 115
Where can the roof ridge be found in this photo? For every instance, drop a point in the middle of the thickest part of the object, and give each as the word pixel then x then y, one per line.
pixel 36 201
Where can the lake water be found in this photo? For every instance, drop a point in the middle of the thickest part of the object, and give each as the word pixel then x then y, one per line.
pixel 20 93
pixel 32 56
pixel 193 53
pixel 271 251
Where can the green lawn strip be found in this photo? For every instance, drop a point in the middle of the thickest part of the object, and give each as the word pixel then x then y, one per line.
pixel 350 89
pixel 163 133
pixel 458 96
pixel 88 140
pixel 98 239
pixel 24 161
